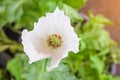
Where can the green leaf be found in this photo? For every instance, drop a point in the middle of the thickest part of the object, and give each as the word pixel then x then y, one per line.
pixel 15 11
pixel 24 12
pixel 16 71
pixel 92 33
pixel 77 4
pixel 61 73
pixel 88 73
pixel 2 16
pixel 90 63
pixel 72 13
pixel 22 70
pixel 7 43
pixel 96 63
pixel 97 21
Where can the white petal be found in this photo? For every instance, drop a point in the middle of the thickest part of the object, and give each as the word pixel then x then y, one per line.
pixel 57 56
pixel 52 23
pixel 69 37
pixel 58 23
pixel 27 40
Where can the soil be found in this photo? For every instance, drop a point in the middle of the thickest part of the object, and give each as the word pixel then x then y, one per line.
pixel 108 8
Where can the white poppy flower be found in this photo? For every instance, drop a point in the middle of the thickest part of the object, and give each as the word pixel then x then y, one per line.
pixel 52 37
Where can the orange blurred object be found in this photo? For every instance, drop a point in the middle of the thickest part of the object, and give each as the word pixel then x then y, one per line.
pixel 108 8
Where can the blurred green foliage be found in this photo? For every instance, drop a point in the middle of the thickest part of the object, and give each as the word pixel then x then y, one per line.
pixel 7 43
pixel 22 70
pixel 92 60
pixel 25 12
pixel 3 76
pixel 95 46
pixel 76 4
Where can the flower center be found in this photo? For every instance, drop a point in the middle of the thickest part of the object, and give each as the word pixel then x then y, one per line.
pixel 54 41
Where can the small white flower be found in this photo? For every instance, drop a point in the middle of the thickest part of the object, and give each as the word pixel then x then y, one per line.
pixel 53 36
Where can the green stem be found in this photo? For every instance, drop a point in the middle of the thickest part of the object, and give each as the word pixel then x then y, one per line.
pixel 45 65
